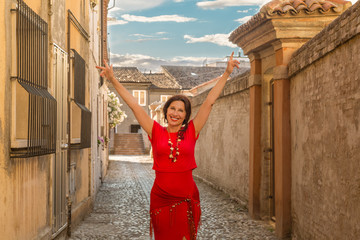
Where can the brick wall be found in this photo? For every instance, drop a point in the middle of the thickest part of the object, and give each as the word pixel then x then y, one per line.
pixel 222 150
pixel 325 116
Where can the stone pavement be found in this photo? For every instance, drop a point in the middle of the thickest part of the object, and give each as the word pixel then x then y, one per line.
pixel 122 205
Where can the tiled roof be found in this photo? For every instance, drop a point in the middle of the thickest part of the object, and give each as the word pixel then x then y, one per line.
pixel 160 80
pixel 189 77
pixel 278 8
pixel 281 7
pixel 130 74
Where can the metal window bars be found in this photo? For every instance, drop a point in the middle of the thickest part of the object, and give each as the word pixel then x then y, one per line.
pixel 79 99
pixel 32 75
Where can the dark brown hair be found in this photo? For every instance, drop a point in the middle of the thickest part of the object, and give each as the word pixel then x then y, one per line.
pixel 187 104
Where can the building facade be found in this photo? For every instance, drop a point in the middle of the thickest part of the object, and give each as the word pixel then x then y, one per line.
pixel 293 121
pixel 53 110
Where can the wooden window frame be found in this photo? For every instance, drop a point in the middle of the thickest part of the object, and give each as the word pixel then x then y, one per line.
pixel 78 75
pixel 138 98
pixel 166 96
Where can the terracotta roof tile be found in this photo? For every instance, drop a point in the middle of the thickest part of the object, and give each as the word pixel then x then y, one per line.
pixel 129 74
pixel 160 80
pixel 189 76
pixel 278 8
pixel 281 7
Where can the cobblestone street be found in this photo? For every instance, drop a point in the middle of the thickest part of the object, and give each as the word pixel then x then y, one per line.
pixel 122 205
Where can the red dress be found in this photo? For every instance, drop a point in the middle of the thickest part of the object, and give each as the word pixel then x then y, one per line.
pixel 174 199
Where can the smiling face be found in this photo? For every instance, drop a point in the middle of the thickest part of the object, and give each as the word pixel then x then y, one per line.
pixel 176 114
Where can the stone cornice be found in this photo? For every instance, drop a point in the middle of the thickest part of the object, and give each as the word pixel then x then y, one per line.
pixel 284 12
pixel 341 30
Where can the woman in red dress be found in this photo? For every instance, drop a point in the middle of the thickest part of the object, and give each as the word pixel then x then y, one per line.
pixel 174 199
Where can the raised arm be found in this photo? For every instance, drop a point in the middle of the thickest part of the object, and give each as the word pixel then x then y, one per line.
pixel 205 109
pixel 143 118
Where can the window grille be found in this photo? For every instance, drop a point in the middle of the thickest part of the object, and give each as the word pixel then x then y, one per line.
pixel 32 75
pixel 79 99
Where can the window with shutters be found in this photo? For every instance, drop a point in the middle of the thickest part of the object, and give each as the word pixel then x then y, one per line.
pixel 33 120
pixel 80 114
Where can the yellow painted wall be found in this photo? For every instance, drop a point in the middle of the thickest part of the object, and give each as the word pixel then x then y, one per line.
pixel 22 99
pixel 26 192
pixel 82 175
pixel 5 198
pixel 25 189
pixel 80 10
pixel 25 183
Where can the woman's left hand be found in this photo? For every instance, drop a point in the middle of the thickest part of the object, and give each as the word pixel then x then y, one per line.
pixel 231 64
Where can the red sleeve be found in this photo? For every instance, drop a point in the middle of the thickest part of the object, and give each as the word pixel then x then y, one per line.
pixel 192 130
pixel 154 131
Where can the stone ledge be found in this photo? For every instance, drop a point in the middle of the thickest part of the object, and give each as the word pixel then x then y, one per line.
pixel 338 32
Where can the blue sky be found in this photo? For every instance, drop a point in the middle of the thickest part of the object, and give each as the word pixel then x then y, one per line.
pixel 150 33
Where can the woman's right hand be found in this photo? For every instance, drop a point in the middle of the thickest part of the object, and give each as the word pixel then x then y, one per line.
pixel 231 64
pixel 107 71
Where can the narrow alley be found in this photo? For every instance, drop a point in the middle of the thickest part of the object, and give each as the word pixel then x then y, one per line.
pixel 122 204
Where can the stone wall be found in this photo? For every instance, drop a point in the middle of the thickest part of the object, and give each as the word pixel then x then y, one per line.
pixel 222 150
pixel 325 114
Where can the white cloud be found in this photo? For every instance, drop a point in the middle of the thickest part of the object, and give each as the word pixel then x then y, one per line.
pixel 215 4
pixel 114 21
pixel 178 1
pixel 140 35
pixel 161 18
pixel 148 39
pixel 115 9
pixel 243 20
pixel 143 37
pixel 131 5
pixel 146 63
pixel 229 3
pixel 219 39
pixel 243 11
pixel 191 61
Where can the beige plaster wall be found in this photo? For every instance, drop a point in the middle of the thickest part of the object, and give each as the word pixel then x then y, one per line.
pixel 81 199
pixel 57 34
pixel 25 183
pixel 222 150
pixel 27 199
pixel 26 192
pixel 325 134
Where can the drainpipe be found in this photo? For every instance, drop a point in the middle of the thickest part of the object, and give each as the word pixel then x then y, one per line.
pixel 112 6
pixel 69 203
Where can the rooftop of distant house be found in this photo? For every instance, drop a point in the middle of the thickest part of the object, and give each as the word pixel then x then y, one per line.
pixel 161 81
pixel 189 76
pixel 129 75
